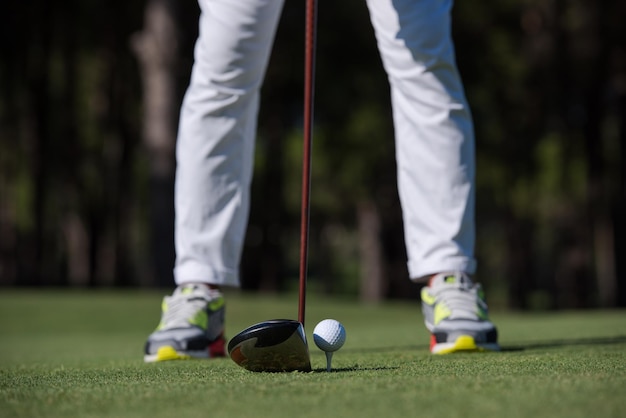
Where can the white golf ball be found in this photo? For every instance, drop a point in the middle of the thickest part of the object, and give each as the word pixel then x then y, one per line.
pixel 329 335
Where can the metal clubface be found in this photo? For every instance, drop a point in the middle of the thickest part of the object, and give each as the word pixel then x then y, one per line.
pixel 271 346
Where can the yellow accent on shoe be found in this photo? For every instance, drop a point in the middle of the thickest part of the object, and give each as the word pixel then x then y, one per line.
pixel 163 309
pixel 463 343
pixel 441 313
pixel 168 353
pixel 450 279
pixel 216 304
pixel 201 319
pixel 427 298
pixel 187 290
pixel 482 314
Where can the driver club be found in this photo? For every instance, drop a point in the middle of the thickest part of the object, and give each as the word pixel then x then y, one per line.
pixel 280 345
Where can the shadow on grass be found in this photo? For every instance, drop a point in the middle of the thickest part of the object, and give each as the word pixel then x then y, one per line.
pixel 401 348
pixel 521 346
pixel 564 343
pixel 353 369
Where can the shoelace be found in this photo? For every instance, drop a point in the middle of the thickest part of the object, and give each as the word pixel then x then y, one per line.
pixel 180 308
pixel 461 300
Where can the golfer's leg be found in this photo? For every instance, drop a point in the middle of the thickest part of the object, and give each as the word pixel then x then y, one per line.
pixel 434 134
pixel 216 138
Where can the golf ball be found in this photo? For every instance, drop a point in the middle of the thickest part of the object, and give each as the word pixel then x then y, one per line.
pixel 329 335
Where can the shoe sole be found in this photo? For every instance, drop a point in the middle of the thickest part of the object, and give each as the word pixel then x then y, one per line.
pixel 463 344
pixel 168 353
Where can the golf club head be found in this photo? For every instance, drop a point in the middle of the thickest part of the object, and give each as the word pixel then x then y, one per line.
pixel 272 346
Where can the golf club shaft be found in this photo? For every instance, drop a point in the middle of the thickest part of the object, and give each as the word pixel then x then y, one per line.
pixel 309 83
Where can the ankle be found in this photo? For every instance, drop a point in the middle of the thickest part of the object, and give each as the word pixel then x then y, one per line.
pixel 429 279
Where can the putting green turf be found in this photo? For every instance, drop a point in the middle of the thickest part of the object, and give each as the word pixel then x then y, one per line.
pixel 69 353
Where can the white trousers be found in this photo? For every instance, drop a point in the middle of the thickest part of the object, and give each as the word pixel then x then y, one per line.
pixel 433 136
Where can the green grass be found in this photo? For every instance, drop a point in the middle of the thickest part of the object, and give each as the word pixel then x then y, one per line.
pixel 66 353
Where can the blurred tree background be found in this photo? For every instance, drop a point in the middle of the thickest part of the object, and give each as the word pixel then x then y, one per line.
pixel 90 93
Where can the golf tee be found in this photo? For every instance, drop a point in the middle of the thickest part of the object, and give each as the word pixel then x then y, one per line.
pixel 329 357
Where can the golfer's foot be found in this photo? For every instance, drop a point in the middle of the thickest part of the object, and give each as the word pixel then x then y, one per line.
pixel 192 325
pixel 456 315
